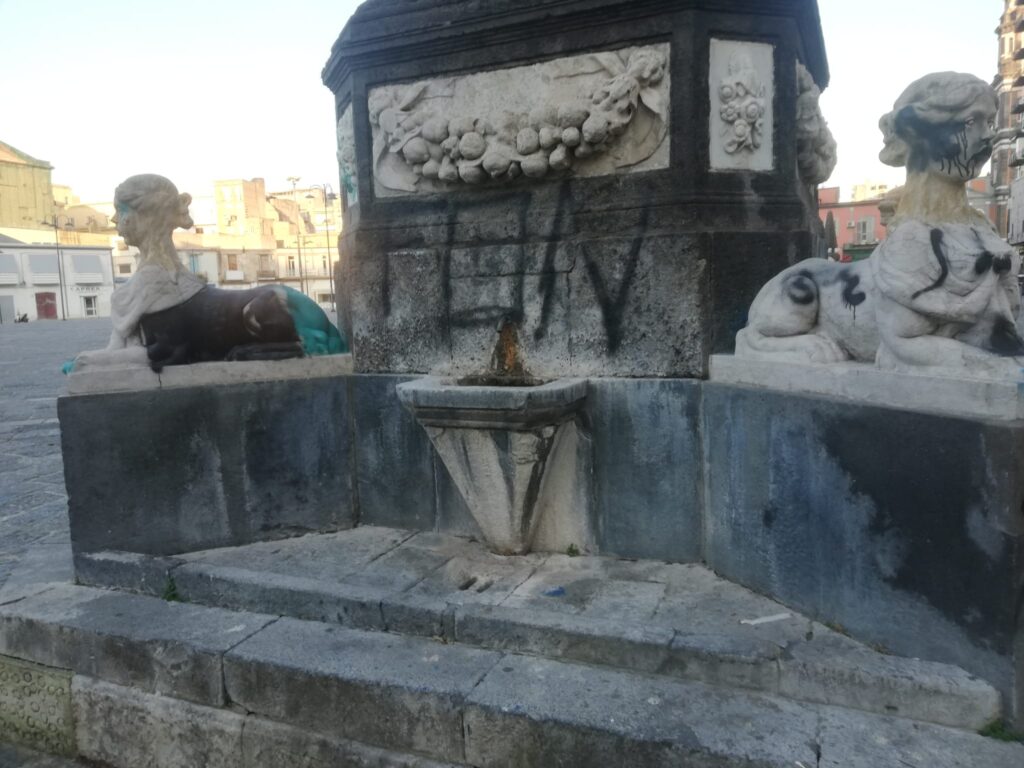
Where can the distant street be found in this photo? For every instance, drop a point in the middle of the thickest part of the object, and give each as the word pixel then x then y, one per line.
pixel 33 502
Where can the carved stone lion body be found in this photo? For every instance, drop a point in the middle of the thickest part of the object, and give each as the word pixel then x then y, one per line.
pixel 941 291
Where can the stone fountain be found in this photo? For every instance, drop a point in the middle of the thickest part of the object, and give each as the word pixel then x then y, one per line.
pixel 498 434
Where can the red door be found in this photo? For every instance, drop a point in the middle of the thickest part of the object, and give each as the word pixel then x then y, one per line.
pixel 46 306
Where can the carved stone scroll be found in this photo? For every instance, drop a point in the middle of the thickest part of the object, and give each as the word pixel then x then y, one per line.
pixel 588 115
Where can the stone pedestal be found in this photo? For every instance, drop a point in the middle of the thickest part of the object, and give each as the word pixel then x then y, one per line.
pixel 899 524
pixel 637 257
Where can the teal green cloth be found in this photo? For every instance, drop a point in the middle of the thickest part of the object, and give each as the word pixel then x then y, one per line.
pixel 318 334
pixel 68 367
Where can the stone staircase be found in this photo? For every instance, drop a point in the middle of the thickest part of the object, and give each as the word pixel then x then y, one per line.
pixel 385 647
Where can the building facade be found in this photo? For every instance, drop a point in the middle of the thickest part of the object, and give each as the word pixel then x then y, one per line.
pixel 51 282
pixel 1008 146
pixel 26 191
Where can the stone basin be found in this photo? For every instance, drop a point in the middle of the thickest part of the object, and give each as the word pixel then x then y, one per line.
pixel 496 442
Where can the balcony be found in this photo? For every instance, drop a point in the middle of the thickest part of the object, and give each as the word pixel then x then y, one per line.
pixel 266 274
pixel 233 276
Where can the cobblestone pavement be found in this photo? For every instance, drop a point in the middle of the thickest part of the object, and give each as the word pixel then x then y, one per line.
pixel 33 502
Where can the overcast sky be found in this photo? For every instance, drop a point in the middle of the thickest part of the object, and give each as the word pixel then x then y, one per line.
pixel 224 89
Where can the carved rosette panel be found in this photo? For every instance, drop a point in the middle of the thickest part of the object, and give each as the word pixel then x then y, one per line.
pixel 347 156
pixel 35 706
pixel 587 115
pixel 742 88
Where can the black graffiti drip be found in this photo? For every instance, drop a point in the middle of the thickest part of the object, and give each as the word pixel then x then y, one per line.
pixel 852 298
pixel 943 264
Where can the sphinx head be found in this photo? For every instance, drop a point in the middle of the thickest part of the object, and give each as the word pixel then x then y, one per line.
pixel 148 204
pixel 943 123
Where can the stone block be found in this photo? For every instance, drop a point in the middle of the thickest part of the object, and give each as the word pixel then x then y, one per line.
pixel 125 727
pixel 267 744
pixel 626 294
pixel 241 589
pixel 128 571
pixel 833 670
pixel 168 648
pixel 35 706
pixel 394 473
pixel 209 466
pixel 856 513
pixel 574 638
pixel 648 470
pixel 389 691
pixel 530 711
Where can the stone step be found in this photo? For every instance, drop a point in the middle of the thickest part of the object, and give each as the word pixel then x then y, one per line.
pixel 167 684
pixel 678 621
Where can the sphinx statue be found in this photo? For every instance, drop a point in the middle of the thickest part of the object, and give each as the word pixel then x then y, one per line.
pixel 940 293
pixel 165 315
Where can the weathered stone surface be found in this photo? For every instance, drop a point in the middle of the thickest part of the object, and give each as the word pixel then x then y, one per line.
pixel 675 620
pixel 648 471
pixel 532 711
pixel 383 689
pixel 126 728
pixel 129 571
pixel 809 503
pixel 21 757
pixel 834 670
pixel 867 385
pixel 208 466
pixel 168 648
pixel 394 473
pixel 35 706
pixel 96 380
pixel 266 744
pixel 555 635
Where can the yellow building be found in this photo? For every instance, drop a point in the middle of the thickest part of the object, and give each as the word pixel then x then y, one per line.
pixel 26 191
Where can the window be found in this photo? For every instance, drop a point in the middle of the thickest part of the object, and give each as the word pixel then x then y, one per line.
pixel 89 306
pixel 280 243
pixel 291 264
pixel 866 230
pixel 124 269
pixel 233 261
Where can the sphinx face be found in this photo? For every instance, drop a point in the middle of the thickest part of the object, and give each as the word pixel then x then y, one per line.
pixel 961 148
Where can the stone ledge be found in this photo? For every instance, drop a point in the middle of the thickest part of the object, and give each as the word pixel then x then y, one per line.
pixel 136 378
pixel 320 686
pixel 865 384
pixel 675 621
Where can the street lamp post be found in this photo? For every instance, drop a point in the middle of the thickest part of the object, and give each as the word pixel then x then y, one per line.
pixel 55 223
pixel 328 197
pixel 298 237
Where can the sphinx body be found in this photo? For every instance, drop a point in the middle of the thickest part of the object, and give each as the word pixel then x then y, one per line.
pixel 940 293
pixel 165 315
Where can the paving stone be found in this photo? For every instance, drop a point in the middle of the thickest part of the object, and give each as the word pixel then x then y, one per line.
pixel 30 359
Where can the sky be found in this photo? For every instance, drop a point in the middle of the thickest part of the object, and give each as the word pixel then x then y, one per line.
pixel 224 89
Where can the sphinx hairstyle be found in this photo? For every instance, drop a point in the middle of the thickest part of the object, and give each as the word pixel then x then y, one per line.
pixel 150 193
